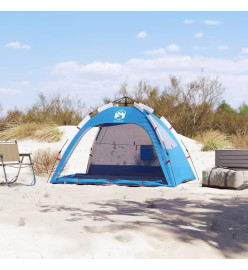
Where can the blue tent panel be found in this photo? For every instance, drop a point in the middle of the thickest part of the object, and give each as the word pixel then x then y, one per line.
pixel 74 180
pixel 146 152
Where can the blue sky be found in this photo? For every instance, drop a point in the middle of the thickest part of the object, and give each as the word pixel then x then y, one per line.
pixel 89 54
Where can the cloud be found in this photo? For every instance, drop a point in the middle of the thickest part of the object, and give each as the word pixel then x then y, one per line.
pixel 155 52
pixel 173 48
pixel 17 45
pixel 72 68
pixel 223 48
pixel 142 35
pixel 188 21
pixel 95 80
pixel 211 22
pixel 10 91
pixel 198 35
pixel 245 50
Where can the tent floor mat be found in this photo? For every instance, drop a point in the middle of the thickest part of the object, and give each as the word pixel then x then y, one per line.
pixel 111 179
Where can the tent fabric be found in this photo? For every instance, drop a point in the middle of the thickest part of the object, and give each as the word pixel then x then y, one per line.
pixel 124 133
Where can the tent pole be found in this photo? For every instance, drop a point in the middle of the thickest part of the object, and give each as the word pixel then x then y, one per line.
pixel 190 159
pixel 55 160
pixel 170 164
pixel 187 152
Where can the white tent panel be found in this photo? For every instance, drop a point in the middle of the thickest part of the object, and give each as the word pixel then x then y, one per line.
pixel 105 107
pixel 149 109
pixel 137 106
pixel 164 137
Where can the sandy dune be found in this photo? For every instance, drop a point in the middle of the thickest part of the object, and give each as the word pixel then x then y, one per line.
pixel 71 221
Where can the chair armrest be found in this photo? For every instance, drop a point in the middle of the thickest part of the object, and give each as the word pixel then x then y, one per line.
pixel 24 154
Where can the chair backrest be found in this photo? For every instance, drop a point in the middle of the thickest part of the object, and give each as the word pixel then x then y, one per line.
pixel 9 151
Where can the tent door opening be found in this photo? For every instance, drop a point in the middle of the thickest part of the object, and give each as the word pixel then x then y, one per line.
pixel 124 151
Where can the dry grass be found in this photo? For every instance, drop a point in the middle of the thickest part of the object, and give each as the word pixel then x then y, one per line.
pixel 240 140
pixel 44 160
pixel 212 140
pixel 44 132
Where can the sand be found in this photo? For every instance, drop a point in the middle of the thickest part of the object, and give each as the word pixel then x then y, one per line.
pixel 84 221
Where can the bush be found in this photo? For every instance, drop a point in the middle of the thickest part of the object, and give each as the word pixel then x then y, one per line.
pixel 189 107
pixel 60 110
pixel 46 132
pixel 240 139
pixel 44 160
pixel 212 140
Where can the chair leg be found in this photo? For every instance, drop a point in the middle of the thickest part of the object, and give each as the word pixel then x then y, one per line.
pixel 34 180
pixel 6 180
pixel 5 175
pixel 10 182
pixel 19 168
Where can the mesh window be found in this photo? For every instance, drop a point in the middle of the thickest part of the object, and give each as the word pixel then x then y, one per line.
pixel 123 149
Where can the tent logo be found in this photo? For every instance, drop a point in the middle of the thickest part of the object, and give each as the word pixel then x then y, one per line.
pixel 119 115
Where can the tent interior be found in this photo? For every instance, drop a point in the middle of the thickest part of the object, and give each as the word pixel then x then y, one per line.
pixel 122 151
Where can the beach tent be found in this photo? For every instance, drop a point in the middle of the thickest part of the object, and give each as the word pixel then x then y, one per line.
pixel 133 147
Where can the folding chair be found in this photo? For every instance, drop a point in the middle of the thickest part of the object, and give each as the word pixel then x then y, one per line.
pixel 10 156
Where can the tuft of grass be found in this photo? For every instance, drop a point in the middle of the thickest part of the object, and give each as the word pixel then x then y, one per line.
pixel 212 140
pixel 240 139
pixel 44 160
pixel 49 133
pixel 45 132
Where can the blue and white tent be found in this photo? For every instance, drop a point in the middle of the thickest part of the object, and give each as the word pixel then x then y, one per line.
pixel 133 147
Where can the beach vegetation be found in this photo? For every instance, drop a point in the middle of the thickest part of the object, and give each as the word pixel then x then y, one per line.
pixel 46 132
pixel 212 140
pixel 45 161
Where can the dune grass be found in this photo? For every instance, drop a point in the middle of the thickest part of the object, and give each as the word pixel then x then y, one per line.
pixel 212 140
pixel 240 140
pixel 41 132
pixel 44 160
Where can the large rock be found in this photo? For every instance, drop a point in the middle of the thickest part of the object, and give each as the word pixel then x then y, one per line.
pixel 225 178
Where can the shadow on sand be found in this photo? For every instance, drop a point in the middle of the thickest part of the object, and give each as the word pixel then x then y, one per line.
pixel 221 223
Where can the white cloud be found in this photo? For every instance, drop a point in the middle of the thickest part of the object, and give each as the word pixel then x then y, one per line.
pixel 10 91
pixel 198 35
pixel 173 48
pixel 245 50
pixel 211 22
pixel 96 80
pixel 223 48
pixel 155 52
pixel 142 35
pixel 17 45
pixel 188 21
pixel 72 68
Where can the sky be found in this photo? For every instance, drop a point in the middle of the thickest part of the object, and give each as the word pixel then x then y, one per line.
pixel 87 55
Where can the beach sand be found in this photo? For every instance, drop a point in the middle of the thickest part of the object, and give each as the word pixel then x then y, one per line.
pixel 90 221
